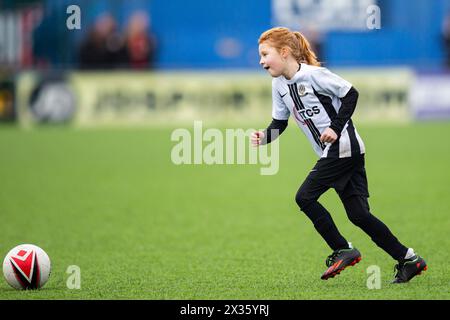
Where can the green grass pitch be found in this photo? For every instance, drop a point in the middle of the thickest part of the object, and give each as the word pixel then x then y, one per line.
pixel 111 202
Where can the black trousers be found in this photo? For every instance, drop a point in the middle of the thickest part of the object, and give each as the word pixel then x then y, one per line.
pixel 348 177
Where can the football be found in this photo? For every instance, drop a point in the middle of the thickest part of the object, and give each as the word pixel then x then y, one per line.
pixel 26 266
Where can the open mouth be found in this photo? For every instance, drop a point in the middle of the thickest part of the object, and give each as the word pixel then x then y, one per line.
pixel 267 68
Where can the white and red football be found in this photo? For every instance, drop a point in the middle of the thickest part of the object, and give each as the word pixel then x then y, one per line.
pixel 26 267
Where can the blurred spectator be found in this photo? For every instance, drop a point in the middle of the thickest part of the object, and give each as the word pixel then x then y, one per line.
pixel 104 47
pixel 140 41
pixel 446 38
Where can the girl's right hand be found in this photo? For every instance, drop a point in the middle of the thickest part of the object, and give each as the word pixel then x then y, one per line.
pixel 257 138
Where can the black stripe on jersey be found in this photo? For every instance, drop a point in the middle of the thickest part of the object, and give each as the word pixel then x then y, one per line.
pixel 333 152
pixel 299 106
pixel 315 132
pixel 311 124
pixel 354 144
pixel 327 104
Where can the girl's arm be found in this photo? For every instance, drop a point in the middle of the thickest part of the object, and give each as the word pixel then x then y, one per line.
pixel 345 111
pixel 328 83
pixel 278 126
pixel 273 131
pixel 280 116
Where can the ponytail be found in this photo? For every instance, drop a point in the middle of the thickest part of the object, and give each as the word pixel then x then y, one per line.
pixel 307 54
pixel 294 40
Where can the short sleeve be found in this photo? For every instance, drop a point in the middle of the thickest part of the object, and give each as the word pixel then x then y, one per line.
pixel 279 109
pixel 326 82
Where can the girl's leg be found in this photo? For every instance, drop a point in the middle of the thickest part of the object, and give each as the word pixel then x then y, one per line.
pixel 306 198
pixel 358 211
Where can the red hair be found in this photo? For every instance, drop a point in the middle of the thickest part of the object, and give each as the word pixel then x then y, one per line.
pixel 293 40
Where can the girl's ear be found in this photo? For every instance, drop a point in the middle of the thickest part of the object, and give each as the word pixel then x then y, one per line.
pixel 284 52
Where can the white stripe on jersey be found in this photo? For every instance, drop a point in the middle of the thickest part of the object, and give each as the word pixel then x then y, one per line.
pixel 325 151
pixel 312 97
pixel 344 145
pixel 361 143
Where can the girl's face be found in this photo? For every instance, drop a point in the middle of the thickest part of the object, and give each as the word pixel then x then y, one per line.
pixel 271 60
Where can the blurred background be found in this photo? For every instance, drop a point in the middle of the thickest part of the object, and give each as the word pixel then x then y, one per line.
pixel 92 90
pixel 135 61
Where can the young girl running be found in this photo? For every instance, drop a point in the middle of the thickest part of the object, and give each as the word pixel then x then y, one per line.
pixel 322 104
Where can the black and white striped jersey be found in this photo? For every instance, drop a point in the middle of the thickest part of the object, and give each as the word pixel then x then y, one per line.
pixel 312 97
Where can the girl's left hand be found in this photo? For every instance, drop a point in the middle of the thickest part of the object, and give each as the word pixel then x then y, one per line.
pixel 328 136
